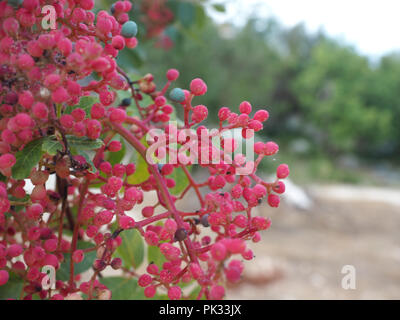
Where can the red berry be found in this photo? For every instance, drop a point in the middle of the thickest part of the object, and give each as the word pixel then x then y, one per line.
pixel 261 115
pixel 200 113
pixel 7 161
pixel 118 115
pixel 40 110
pixel 274 200
pixel 93 129
pixel 245 107
pixel 4 276
pixel 147 211
pixel 174 293
pixel 67 121
pixel 198 87
pixel 114 146
pixel 172 74
pixel 279 187
pixel 282 171
pixel 223 113
pixel 218 251
pixel 126 222
pixel 150 291
pixel 217 292
pixel 78 256
pixel 270 148
pixel 144 280
pixel 14 250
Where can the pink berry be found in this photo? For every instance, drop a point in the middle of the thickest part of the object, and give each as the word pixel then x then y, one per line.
pixel 282 171
pixel 40 110
pixel 245 107
pixel 236 245
pixel 200 113
pixel 93 129
pixel 218 251
pixel 78 256
pixel 261 223
pixel 147 211
pixel 152 268
pixel 223 113
pixel 217 292
pixel 118 116
pixel 174 293
pixel 7 161
pixel 50 245
pixel 14 250
pixel 60 95
pixel 270 148
pixel 114 146
pixel 261 115
pixel 25 61
pixel 126 222
pixel 150 291
pixel 26 99
pixel 240 221
pixel 274 200
pixel 279 187
pixel 4 276
pixel 144 280
pixel 23 120
pixel 171 226
pixel 67 121
pixel 198 87
pixel 78 114
pixel 118 42
pixel 172 74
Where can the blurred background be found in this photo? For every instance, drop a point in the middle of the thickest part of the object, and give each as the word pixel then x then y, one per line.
pixel 329 74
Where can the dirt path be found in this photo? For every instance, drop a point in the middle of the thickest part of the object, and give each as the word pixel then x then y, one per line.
pixel 302 255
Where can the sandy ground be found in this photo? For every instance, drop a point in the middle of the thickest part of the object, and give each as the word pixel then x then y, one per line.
pixel 301 256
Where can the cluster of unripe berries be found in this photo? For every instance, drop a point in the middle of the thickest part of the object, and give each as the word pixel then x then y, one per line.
pixel 45 76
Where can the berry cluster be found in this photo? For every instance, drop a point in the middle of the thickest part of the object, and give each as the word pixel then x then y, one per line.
pixel 58 99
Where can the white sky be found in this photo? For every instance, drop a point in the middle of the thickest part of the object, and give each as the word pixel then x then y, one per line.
pixel 372 26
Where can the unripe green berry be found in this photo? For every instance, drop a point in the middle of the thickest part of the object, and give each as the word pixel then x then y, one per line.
pixel 129 29
pixel 177 95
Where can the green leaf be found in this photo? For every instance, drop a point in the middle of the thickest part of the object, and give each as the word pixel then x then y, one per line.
pixel 64 271
pixel 154 255
pixel 51 145
pixel 12 289
pixel 27 158
pixel 181 180
pixel 123 288
pixel 219 7
pixel 131 251
pixel 141 174
pixel 85 103
pixel 201 16
pixel 83 143
pixel 186 13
